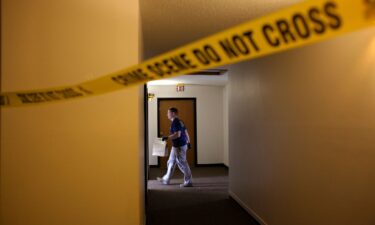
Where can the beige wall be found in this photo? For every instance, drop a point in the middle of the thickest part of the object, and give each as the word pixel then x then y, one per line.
pixel 75 162
pixel 302 128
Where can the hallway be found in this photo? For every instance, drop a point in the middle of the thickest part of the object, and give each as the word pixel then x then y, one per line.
pixel 281 92
pixel 207 203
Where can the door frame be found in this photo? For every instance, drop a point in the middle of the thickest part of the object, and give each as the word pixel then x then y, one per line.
pixel 195 125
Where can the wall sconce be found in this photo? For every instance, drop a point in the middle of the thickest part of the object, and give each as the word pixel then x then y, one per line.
pixel 150 96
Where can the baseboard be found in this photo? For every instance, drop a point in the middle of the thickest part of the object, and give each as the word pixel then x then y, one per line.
pixel 212 165
pixel 247 208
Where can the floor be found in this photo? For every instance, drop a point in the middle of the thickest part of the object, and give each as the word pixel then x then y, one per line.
pixel 207 203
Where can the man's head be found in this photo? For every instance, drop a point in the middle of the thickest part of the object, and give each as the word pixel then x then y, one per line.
pixel 172 113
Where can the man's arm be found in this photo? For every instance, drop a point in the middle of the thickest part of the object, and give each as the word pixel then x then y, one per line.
pixel 187 139
pixel 175 135
pixel 187 136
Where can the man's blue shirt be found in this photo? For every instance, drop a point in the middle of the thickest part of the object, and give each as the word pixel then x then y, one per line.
pixel 178 125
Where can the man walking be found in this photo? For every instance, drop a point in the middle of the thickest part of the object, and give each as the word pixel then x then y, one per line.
pixel 180 142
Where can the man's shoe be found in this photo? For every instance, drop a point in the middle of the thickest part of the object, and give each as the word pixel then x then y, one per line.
pixel 160 179
pixel 186 185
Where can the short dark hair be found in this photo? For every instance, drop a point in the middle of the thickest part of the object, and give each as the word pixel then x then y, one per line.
pixel 174 110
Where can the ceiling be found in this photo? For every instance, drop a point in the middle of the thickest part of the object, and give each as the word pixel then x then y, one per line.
pixel 194 80
pixel 167 24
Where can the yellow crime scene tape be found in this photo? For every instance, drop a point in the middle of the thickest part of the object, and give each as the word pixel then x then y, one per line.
pixel 299 25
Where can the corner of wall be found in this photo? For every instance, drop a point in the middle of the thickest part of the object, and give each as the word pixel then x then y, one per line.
pixel 1 68
pixel 142 156
pixel 226 126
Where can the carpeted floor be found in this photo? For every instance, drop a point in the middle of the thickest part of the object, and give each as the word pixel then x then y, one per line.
pixel 207 203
